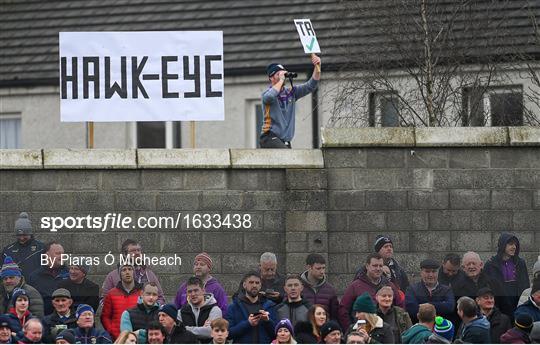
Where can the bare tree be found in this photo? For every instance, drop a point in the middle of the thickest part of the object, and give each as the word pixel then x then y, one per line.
pixel 432 60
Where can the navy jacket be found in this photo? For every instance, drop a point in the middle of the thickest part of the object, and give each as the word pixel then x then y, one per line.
pixel 46 283
pixel 92 336
pixel 476 331
pixel 242 332
pixel 27 255
pixel 442 298
pixel 530 308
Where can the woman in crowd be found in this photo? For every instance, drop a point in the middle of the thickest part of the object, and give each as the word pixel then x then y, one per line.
pixel 379 331
pixel 126 337
pixel 398 319
pixel 310 332
pixel 284 333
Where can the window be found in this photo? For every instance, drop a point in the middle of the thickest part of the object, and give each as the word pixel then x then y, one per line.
pixel 493 106
pixel 158 134
pixel 10 131
pixel 383 109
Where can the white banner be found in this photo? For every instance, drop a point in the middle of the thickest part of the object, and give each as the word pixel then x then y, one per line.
pixel 141 76
pixel 307 36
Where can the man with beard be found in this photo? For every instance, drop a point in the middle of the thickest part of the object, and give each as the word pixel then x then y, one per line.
pixel 385 248
pixel 475 278
pixel 12 278
pixel 499 323
pixel 317 290
pixel 450 270
pixel 294 307
pixel 142 275
pixel 202 266
pixel 369 280
pixel 83 290
pixel 26 251
pixel 251 320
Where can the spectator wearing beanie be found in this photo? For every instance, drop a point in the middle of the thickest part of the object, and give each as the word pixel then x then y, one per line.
pixel 443 328
pixel 65 337
pixel 523 325
pixel 11 277
pixel 378 330
pixel 176 331
pixel 18 313
pixel 532 306
pixel 527 292
pixel 82 289
pixel 331 333
pixel 385 247
pixel 202 266
pixel 26 250
pixel 86 333
pixel 284 333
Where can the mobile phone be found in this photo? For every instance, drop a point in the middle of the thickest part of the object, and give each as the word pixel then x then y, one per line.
pixel 269 291
pixel 360 324
pixel 257 313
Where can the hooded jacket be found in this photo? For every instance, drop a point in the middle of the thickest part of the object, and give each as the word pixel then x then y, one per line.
pixel 211 286
pixel 417 334
pixel 356 288
pixel 527 292
pixel 493 268
pixel 530 308
pixel 294 311
pixel 116 302
pixel 476 331
pixel 515 336
pixel 34 298
pixel 139 316
pixel 27 256
pixel 194 317
pixel 321 293
pixel 241 331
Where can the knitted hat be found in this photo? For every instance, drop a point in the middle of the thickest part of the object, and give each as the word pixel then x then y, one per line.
pixel 204 257
pixel 364 303
pixel 4 321
pixel 10 268
pixel 524 322
pixel 444 328
pixel 61 293
pixel 66 335
pixel 81 308
pixel 83 268
pixel 18 292
pixel 23 225
pixel 535 285
pixel 380 241
pixel 284 323
pixel 329 327
pixel 169 309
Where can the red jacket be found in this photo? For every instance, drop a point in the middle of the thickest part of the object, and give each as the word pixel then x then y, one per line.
pixel 115 303
pixel 358 287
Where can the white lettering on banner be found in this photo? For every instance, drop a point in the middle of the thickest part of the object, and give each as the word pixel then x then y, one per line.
pixel 141 76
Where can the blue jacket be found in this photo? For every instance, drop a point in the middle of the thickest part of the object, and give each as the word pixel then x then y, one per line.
pixel 27 255
pixel 530 308
pixel 242 332
pixel 46 283
pixel 92 336
pixel 477 331
pixel 442 298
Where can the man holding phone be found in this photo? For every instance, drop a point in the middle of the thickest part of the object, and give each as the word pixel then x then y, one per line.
pixel 251 320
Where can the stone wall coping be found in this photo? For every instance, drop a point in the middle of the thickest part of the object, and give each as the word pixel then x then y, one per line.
pixel 160 159
pixel 183 158
pixel 431 137
pixel 21 159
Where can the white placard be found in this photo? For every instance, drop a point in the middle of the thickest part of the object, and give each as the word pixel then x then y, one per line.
pixel 141 76
pixel 307 36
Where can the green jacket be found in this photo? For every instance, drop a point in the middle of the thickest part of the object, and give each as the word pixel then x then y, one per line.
pixel 417 334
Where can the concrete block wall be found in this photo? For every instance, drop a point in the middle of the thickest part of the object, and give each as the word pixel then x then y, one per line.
pixel 456 195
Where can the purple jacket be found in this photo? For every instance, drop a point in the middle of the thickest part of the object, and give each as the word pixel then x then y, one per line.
pixel 323 293
pixel 211 286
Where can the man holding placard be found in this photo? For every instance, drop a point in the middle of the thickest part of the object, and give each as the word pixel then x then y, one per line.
pixel 279 102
